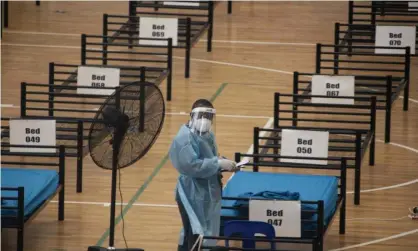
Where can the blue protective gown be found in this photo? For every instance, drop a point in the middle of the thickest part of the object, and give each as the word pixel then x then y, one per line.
pixel 196 159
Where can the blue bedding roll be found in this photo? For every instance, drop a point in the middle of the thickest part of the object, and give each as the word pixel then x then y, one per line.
pixel 38 185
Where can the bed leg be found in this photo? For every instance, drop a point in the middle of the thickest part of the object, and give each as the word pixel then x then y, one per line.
pixel 188 48
pixel 61 205
pixel 62 183
pixel 357 170
pixel 342 219
pixel 388 108
pixel 407 78
pixel 373 130
pixel 20 218
pixel 372 149
pixel 210 29
pixel 20 239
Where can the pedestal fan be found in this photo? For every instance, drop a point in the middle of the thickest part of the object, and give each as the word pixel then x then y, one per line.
pixel 123 130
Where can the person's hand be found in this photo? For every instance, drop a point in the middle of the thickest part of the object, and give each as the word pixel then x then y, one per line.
pixel 228 165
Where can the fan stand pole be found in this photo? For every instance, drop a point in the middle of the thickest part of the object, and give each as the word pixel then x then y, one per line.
pixel 115 160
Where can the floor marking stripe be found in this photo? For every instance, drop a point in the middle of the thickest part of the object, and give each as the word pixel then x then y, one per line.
pixel 203 40
pixel 42 46
pixel 173 113
pixel 7 106
pixel 377 219
pixel 41 33
pixel 260 42
pixel 192 59
pixel 237 65
pixel 386 187
pixel 378 240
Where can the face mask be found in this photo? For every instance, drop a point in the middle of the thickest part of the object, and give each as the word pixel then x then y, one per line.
pixel 203 125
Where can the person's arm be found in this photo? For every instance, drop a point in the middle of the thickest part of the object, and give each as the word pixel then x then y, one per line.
pixel 186 161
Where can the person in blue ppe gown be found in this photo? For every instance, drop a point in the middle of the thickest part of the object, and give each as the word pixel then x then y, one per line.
pixel 194 154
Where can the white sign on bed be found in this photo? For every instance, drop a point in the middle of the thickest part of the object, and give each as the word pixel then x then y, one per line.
pixel 97 77
pixel 32 132
pixel 395 36
pixel 181 3
pixel 285 216
pixel 304 143
pixel 333 86
pixel 413 5
pixel 157 28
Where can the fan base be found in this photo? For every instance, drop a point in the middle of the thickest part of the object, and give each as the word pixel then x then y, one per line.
pixel 96 248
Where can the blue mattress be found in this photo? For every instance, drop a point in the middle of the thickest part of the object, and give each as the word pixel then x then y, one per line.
pixel 310 187
pixel 39 185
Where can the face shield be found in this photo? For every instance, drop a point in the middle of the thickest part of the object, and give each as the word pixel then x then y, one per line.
pixel 202 120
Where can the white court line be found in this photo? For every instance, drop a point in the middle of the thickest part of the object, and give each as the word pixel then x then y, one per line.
pixel 203 40
pixel 393 186
pixel 144 205
pixel 107 204
pixel 387 187
pixel 42 33
pixel 192 59
pixel 377 241
pixel 399 145
pixel 237 65
pixel 42 46
pixel 402 97
pixel 377 219
pixel 7 106
pixel 173 113
pixel 410 99
pixel 82 202
pixel 260 42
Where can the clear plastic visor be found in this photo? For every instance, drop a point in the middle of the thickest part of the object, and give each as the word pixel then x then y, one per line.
pixel 202 120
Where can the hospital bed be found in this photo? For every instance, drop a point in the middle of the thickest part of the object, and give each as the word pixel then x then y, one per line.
pixel 321 196
pixel 26 191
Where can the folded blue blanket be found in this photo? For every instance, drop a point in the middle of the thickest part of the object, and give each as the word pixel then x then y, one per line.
pixel 242 205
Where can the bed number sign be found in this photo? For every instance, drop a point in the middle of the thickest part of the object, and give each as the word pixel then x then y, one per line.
pixel 413 5
pixel 303 143
pixel 395 36
pixel 32 133
pixel 98 78
pixel 151 29
pixel 182 3
pixel 284 216
pixel 333 86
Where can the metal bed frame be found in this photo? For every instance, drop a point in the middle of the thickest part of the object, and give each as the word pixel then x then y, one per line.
pixel 317 236
pixel 70 134
pixel 381 12
pixel 19 221
pixel 191 25
pixel 69 109
pixel 387 75
pixel 359 34
pixel 278 243
pixel 343 142
pixel 155 65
